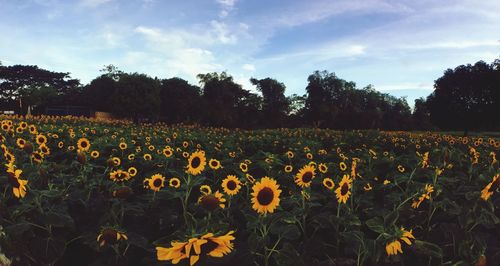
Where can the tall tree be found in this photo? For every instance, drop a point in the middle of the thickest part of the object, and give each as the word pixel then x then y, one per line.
pixel 19 82
pixel 467 97
pixel 136 96
pixel 180 101
pixel 222 99
pixel 99 92
pixel 275 105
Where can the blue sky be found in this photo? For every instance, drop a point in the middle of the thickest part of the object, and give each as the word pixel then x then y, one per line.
pixel 400 47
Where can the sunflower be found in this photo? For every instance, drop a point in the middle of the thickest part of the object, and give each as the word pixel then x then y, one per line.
pixel 147 157
pixel 174 182
pixel 305 176
pixel 322 168
pixel 288 168
pixel 168 152
pixel 212 201
pixel 60 144
pixel 205 189
pixel 132 171
pixel 289 154
pixel 156 182
pixel 44 149
pixel 250 178
pixel 83 144
pixel 94 154
pixel 393 248
pixel 490 187
pixel 23 125
pixel 32 129
pixel 328 183
pixel 110 236
pixel 220 245
pixel 367 187
pixel 119 175
pixel 214 164
pixel 196 163
pixel 20 142
pixel 131 157
pixel 244 167
pixel 185 144
pixel 18 185
pixel 174 253
pixel 342 166
pixel 401 168
pixel 37 156
pixel 116 161
pixel 344 190
pixel 309 156
pixel 122 145
pixel 41 139
pixel 265 195
pixel 231 185
pixel 151 148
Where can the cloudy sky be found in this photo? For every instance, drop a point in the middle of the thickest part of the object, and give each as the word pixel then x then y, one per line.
pixel 400 47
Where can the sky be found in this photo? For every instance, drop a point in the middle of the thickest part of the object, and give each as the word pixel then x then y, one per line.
pixel 400 47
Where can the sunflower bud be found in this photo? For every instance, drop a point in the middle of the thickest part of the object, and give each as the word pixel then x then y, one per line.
pixel 28 147
pixel 110 162
pixel 81 158
pixel 123 192
pixel 209 202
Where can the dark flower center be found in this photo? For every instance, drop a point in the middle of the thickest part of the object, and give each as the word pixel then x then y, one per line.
pixel 209 202
pixel 209 247
pixel 265 196
pixel 195 162
pixel 84 144
pixel 231 185
pixel 157 182
pixel 329 183
pixel 175 183
pixel 344 189
pixel 109 235
pixel 307 177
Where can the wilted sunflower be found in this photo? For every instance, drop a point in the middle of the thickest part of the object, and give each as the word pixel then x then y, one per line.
pixel 18 185
pixel 119 175
pixel 265 195
pixel 490 187
pixel 110 236
pixel 344 190
pixel 394 247
pixel 83 144
pixel 156 182
pixel 305 176
pixel 218 246
pixel 174 182
pixel 231 185
pixel 214 164
pixel 41 139
pixel 328 183
pixel 196 163
pixel 212 201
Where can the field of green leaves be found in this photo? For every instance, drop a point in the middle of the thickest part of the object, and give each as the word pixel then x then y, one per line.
pixel 84 192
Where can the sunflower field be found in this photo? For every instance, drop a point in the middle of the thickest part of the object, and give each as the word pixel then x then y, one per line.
pixel 79 191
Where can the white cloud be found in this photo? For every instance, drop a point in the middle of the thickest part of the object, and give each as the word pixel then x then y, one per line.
pixel 227 6
pixel 94 3
pixel 248 67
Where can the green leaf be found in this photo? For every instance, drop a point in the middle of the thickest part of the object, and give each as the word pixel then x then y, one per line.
pixel 376 224
pixel 58 220
pixel 391 218
pixel 429 249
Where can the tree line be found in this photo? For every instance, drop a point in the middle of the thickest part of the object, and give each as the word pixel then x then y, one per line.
pixel 464 98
